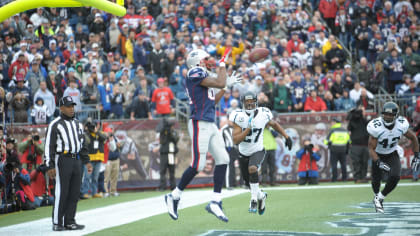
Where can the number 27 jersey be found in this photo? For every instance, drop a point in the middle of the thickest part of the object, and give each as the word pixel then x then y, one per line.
pixel 387 138
pixel 253 142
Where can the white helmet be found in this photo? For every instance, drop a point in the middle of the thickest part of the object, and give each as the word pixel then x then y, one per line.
pixel 195 57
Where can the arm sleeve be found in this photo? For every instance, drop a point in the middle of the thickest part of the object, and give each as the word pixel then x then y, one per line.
pixel 197 75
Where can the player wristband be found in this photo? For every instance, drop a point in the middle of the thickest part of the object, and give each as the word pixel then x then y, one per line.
pixel 222 64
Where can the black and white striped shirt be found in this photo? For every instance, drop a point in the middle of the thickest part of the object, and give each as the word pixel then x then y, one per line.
pixel 64 135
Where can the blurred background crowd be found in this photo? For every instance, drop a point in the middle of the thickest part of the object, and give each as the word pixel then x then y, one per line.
pixel 325 55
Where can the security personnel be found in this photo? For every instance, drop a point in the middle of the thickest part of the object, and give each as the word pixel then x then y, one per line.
pixel 269 163
pixel 64 153
pixel 338 141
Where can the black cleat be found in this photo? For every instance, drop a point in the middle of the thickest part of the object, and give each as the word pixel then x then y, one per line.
pixel 58 228
pixel 378 204
pixel 74 227
pixel 253 206
pixel 261 204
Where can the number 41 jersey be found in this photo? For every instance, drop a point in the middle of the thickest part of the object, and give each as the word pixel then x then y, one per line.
pixel 253 142
pixel 387 138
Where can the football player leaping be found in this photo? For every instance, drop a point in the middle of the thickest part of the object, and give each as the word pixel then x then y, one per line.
pixel 205 135
pixel 385 132
pixel 248 126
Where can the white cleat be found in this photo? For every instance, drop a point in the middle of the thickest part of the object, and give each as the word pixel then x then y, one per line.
pixel 216 209
pixel 378 204
pixel 172 206
pixel 261 204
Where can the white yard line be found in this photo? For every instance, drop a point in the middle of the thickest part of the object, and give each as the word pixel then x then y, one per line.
pixel 127 212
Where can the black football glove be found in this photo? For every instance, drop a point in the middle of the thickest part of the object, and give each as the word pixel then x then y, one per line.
pixel 415 163
pixel 382 165
pixel 289 143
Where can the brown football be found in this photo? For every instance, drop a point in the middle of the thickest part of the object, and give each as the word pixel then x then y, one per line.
pixel 258 54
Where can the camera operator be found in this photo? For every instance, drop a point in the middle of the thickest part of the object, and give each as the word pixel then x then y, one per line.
pixel 308 170
pixel 112 169
pixel 32 149
pixel 42 186
pixel 359 151
pixel 95 142
pixel 168 149
pixel 17 195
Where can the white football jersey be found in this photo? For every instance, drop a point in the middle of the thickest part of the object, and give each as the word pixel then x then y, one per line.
pixel 40 114
pixel 253 142
pixel 387 139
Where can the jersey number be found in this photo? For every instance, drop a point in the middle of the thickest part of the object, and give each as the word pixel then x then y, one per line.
pixel 394 141
pixel 248 138
pixel 376 123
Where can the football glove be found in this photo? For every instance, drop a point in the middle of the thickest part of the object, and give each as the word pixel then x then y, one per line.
pixel 233 79
pixel 382 165
pixel 415 163
pixel 289 143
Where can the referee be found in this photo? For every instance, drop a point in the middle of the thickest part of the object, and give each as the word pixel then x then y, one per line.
pixel 64 154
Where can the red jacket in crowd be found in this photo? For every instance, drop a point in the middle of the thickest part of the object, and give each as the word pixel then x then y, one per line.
pixel 38 184
pixel 18 67
pixel 328 8
pixel 316 104
pixel 24 157
pixel 163 97
pixel 293 46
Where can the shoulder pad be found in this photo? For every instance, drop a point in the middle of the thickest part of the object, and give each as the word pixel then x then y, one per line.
pixel 375 127
pixel 403 124
pixel 197 72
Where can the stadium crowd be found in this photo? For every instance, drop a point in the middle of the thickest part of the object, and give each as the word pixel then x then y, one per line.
pixel 134 66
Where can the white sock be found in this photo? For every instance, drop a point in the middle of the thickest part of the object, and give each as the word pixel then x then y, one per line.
pixel 217 197
pixel 254 191
pixel 260 194
pixel 176 193
pixel 381 196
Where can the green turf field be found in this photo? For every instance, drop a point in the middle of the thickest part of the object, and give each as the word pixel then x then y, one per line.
pixel 290 210
pixel 334 211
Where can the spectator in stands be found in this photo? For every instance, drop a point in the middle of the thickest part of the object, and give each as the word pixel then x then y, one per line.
pixel 357 91
pixel 168 65
pixel 298 92
pixel 365 71
pixel 348 77
pixel 293 43
pixel 140 107
pixel 162 99
pixel 20 104
pixel 157 57
pixel 335 57
pixel 410 96
pixel 47 97
pixel 74 92
pixel 401 88
pixel 338 87
pixel 90 94
pixel 256 84
pixel 376 46
pixel 117 100
pixel 20 66
pixel 362 37
pixel 329 101
pixel 328 44
pixel 344 103
pixel 34 77
pixel 314 103
pixel 105 89
pixel 365 101
pixel 139 54
pixel 328 8
pixel 236 51
pixel 411 62
pixel 394 67
pixel 343 26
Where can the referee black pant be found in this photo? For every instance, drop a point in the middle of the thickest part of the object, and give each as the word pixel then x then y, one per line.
pixel 67 190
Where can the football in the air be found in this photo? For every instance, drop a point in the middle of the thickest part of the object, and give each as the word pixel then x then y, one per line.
pixel 258 54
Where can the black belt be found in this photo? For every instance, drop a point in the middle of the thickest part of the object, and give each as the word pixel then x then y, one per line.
pixel 70 155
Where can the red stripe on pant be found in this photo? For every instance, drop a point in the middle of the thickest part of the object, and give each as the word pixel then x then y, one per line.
pixel 196 150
